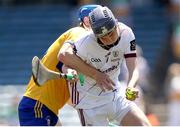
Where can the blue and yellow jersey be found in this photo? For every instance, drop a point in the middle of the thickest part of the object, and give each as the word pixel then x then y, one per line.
pixel 54 93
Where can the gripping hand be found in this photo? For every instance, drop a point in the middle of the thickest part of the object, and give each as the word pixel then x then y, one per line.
pixel 71 76
pixel 131 93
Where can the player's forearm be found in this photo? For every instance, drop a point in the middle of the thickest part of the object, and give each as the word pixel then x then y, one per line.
pixel 133 72
pixel 133 78
pixel 73 61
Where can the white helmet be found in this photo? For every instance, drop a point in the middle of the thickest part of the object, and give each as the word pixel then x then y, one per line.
pixel 102 21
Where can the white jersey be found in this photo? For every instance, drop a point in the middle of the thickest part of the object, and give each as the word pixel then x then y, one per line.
pixel 108 61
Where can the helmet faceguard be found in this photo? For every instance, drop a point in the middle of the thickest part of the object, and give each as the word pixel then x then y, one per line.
pixel 102 21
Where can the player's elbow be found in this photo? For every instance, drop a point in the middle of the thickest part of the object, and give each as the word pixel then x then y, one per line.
pixel 64 57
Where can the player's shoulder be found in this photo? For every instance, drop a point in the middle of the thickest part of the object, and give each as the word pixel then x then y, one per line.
pixel 87 41
pixel 126 32
pixel 124 28
pixel 76 29
pixel 126 35
pixel 89 38
pixel 74 33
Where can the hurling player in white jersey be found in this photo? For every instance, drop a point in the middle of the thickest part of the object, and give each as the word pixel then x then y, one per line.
pixel 104 49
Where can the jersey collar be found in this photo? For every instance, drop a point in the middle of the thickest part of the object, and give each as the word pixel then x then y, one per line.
pixel 107 47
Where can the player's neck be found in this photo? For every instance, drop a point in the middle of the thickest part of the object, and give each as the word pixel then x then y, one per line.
pixel 86 28
pixel 107 47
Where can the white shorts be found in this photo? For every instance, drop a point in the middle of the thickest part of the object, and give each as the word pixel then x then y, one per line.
pixel 102 115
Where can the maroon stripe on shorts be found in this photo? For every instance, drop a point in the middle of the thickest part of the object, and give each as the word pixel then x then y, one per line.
pixel 77 97
pixel 72 91
pixel 75 92
pixel 82 117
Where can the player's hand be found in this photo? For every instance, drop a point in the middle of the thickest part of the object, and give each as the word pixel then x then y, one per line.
pixel 131 93
pixel 71 75
pixel 103 81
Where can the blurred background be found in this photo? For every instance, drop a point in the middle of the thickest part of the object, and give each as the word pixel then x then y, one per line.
pixel 29 27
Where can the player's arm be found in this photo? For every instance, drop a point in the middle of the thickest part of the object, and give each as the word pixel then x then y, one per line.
pixel 67 56
pixel 131 91
pixel 130 58
pixel 133 72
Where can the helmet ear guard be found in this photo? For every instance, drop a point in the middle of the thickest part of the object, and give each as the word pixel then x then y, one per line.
pixel 102 21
